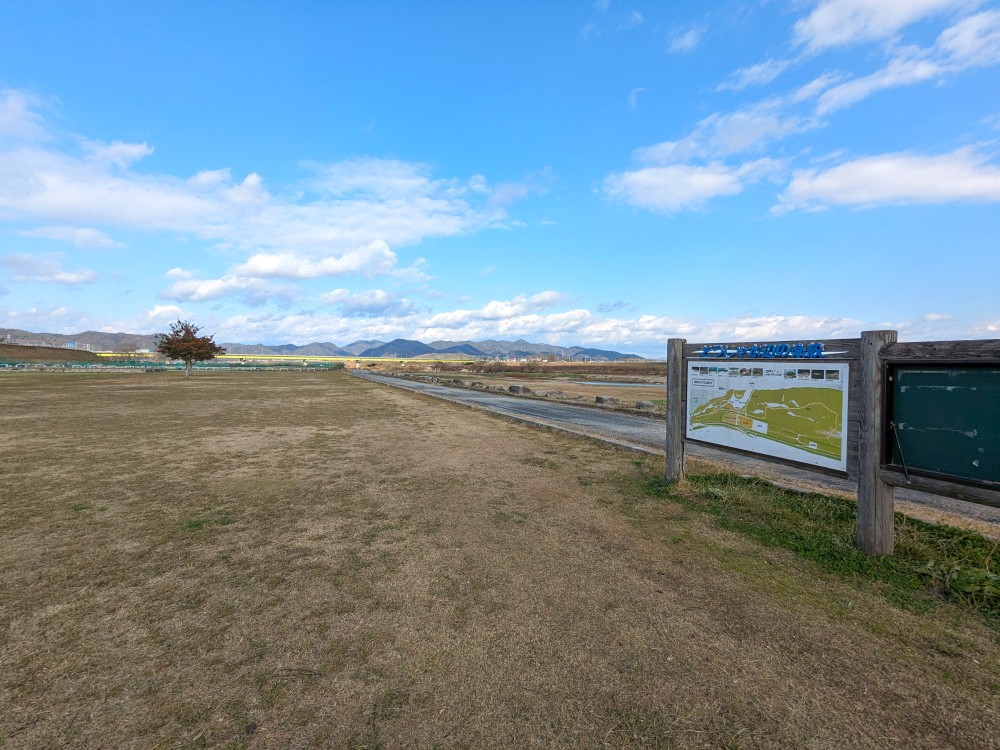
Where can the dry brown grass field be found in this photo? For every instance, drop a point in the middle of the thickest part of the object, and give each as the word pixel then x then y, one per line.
pixel 310 560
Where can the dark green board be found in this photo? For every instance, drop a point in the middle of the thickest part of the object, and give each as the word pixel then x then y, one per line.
pixel 947 420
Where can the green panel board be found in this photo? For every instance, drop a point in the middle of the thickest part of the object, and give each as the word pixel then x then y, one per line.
pixel 947 420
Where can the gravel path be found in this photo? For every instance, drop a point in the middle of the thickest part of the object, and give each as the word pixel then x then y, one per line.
pixel 648 435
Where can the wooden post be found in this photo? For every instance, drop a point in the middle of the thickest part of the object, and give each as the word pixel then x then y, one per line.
pixel 675 409
pixel 875 497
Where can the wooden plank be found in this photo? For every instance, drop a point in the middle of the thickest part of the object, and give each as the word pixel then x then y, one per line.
pixel 875 497
pixel 676 410
pixel 984 350
pixel 969 493
pixel 853 449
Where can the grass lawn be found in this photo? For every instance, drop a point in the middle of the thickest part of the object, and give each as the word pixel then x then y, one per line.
pixel 310 560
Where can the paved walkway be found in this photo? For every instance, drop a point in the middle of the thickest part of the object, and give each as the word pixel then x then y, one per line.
pixel 647 434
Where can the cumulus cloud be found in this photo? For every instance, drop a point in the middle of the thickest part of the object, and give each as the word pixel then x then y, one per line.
pixel 895 179
pixel 838 23
pixel 498 310
pixel 78 236
pixel 164 312
pixel 23 267
pixel 646 333
pixel 373 259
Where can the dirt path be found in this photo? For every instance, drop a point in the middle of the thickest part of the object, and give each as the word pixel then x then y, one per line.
pixel 324 562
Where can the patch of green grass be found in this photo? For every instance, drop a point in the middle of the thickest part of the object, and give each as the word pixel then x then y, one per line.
pixel 194 525
pixel 930 562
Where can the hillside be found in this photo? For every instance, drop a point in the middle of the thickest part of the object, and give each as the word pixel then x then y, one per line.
pixel 399 348
pixel 44 355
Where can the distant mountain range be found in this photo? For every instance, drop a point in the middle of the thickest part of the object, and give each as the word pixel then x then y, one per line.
pixel 398 348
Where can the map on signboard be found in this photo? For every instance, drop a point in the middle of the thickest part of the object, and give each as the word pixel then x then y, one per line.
pixel 796 411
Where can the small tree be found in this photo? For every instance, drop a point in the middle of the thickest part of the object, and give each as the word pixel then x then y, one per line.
pixel 184 343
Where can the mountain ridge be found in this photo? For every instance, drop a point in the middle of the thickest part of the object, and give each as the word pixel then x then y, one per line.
pixel 397 348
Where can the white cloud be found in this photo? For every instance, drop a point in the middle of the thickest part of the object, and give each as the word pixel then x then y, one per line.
pixel 250 290
pixel 754 75
pixel 179 273
pixel 534 183
pixel 497 310
pixel 18 120
pixel 678 187
pixel 118 153
pixel 25 267
pixel 909 67
pixel 936 317
pixel 633 96
pixel 686 41
pixel 973 41
pixel 719 135
pixel 378 178
pixel 164 312
pixel 340 207
pixel 895 179
pixel 373 302
pixel 685 173
pixel 377 314
pixel 837 23
pixel 647 333
pixel 373 259
pixel 630 20
pixel 79 236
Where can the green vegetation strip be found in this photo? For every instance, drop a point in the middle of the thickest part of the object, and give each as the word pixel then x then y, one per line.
pixel 931 563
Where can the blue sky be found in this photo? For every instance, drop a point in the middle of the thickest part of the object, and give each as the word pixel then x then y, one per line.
pixel 610 174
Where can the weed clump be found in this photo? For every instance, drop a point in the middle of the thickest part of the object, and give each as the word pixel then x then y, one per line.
pixel 931 563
